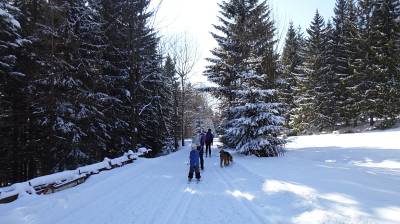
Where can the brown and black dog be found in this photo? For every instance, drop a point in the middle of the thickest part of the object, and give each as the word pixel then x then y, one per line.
pixel 225 158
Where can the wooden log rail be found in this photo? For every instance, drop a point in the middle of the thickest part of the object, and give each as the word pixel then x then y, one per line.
pixel 8 195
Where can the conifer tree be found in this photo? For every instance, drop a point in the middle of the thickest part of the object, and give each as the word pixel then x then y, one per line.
pixel 362 65
pixel 94 84
pixel 306 117
pixel 385 30
pixel 349 106
pixel 344 53
pixel 134 67
pixel 116 72
pixel 84 26
pixel 256 120
pixel 224 65
pixel 326 84
pixel 291 60
pixel 145 74
pixel 13 97
pixel 245 69
pixel 375 69
pixel 173 99
pixel 341 66
pixel 67 105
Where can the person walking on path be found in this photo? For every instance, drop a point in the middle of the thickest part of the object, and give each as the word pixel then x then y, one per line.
pixel 209 138
pixel 201 151
pixel 194 163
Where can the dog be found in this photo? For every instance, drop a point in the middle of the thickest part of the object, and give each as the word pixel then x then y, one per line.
pixel 225 158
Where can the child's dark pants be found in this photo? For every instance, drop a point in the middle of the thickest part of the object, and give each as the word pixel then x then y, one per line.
pixel 196 170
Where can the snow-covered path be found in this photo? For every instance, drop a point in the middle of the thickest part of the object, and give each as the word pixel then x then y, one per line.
pixel 351 178
pixel 151 191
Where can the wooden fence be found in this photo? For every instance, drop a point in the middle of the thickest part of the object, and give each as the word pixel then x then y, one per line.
pixel 64 180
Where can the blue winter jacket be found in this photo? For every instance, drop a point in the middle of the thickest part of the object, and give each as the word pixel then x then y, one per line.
pixel 194 158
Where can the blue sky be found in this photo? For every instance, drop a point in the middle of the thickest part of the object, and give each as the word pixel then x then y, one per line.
pixel 301 12
pixel 195 18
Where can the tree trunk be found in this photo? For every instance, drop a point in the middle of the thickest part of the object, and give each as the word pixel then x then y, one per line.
pixel 176 117
pixel 183 111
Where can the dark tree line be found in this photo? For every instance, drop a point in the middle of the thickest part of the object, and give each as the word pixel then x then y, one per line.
pixel 345 71
pixel 81 80
pixel 341 73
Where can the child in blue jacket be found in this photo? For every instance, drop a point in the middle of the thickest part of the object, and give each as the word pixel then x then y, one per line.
pixel 194 163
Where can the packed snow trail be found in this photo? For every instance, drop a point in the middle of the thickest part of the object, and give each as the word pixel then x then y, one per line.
pixel 352 178
pixel 150 191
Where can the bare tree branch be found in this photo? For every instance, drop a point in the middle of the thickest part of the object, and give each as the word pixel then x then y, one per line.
pixel 183 51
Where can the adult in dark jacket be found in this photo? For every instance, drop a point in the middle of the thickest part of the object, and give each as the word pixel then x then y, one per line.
pixel 194 163
pixel 209 139
pixel 201 151
pixel 202 139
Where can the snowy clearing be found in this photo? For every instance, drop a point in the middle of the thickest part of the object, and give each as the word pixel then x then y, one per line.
pixel 353 178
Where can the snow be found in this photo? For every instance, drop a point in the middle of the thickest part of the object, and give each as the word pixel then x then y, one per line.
pixel 19 187
pixel 127 93
pixel 54 178
pixel 143 150
pixel 94 168
pixel 27 187
pixel 332 178
pixel 10 18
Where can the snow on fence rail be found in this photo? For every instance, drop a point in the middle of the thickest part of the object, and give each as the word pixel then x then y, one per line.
pixel 63 180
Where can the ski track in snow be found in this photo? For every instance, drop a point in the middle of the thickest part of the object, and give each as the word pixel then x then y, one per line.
pixel 322 179
pixel 251 209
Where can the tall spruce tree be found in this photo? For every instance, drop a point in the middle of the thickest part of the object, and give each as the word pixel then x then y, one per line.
pixel 385 30
pixel 13 99
pixel 224 69
pixel 309 115
pixel 326 85
pixel 116 72
pixel 134 68
pixel 375 70
pixel 362 65
pixel 67 107
pixel 32 158
pixel 349 105
pixel 45 78
pixel 341 66
pixel 244 68
pixel 86 42
pixel 172 100
pixel 291 60
pixel 145 75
